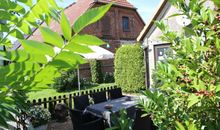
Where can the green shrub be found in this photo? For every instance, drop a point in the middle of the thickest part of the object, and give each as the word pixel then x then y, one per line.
pixel 96 71
pixel 188 94
pixel 129 68
pixel 108 78
pixel 67 82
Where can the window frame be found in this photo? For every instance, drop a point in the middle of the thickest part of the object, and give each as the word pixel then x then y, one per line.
pixel 126 19
pixel 159 46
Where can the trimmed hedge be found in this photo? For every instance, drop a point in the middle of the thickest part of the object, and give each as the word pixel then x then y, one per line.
pixel 129 68
pixel 96 71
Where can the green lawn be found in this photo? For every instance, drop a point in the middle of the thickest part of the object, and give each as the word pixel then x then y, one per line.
pixel 46 93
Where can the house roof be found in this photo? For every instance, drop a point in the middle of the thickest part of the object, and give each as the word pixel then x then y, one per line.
pixel 123 3
pixel 76 9
pixel 153 18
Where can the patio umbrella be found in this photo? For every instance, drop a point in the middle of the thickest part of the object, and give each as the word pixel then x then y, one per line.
pixel 99 53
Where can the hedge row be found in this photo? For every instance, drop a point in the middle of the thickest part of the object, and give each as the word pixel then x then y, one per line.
pixel 129 68
pixel 96 71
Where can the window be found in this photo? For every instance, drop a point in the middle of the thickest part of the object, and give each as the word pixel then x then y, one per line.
pixel 125 24
pixel 106 26
pixel 161 52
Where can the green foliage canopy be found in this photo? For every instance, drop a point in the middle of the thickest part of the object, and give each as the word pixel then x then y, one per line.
pixel 129 68
pixel 38 63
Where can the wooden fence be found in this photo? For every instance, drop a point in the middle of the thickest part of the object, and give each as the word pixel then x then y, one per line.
pixel 50 103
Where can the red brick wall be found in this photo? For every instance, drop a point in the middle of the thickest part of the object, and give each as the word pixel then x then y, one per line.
pixel 113 35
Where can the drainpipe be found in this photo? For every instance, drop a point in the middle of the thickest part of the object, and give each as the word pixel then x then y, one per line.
pixel 147 74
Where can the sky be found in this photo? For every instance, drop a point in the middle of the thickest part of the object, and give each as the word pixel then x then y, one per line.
pixel 145 7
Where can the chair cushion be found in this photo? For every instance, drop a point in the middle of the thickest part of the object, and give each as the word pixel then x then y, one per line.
pixel 99 97
pixel 81 102
pixel 85 121
pixel 115 93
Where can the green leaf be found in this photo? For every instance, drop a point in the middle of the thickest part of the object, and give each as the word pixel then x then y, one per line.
pixel 203 13
pixel 78 48
pixel 4 28
pixel 17 55
pixel 25 27
pixel 17 34
pixel 179 126
pixel 193 99
pixel 37 47
pixel 175 15
pixel 2 121
pixel 91 16
pixel 65 26
pixel 71 58
pixel 217 2
pixel 60 64
pixel 27 2
pixel 5 15
pixel 51 37
pixel 211 16
pixel 192 127
pixel 87 40
pixel 53 3
pixel 46 76
pixel 217 43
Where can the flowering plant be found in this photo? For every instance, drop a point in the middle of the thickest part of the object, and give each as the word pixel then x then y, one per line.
pixel 38 116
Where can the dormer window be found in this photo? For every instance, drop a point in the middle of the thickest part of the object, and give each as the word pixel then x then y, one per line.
pixel 125 24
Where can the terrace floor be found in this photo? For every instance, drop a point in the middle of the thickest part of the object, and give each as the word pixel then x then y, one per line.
pixel 60 125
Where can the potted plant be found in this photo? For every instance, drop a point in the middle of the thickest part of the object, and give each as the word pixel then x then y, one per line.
pixel 39 117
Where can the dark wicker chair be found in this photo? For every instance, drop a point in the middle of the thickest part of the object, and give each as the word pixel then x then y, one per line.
pixel 115 93
pixel 99 97
pixel 143 123
pixel 81 102
pixel 86 121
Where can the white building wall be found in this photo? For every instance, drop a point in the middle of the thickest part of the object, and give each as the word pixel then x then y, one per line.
pixel 152 38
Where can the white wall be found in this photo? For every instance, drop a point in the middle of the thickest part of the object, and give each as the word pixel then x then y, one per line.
pixel 152 38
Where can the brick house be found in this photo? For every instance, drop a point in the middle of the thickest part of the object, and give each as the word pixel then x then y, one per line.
pixel 120 25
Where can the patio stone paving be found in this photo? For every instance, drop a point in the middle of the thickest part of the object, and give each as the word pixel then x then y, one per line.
pixel 53 125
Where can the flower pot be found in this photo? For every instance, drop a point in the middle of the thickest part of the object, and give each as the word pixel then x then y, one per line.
pixel 42 127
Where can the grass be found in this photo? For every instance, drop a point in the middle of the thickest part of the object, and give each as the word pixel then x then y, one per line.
pixel 46 93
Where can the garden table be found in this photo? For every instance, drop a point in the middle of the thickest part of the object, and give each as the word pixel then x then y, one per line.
pixel 100 110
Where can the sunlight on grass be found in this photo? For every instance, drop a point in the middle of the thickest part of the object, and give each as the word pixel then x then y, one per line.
pixel 46 93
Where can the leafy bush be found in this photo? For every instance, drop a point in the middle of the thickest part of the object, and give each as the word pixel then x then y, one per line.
pixel 68 81
pixel 38 116
pixel 189 81
pixel 37 64
pixel 129 68
pixel 96 71
pixel 121 121
pixel 108 78
pixel 105 85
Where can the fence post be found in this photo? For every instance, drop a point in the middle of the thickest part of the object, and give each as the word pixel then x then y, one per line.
pixel 64 100
pixel 59 99
pixel 39 102
pixel 45 102
pixel 70 101
pixel 34 102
